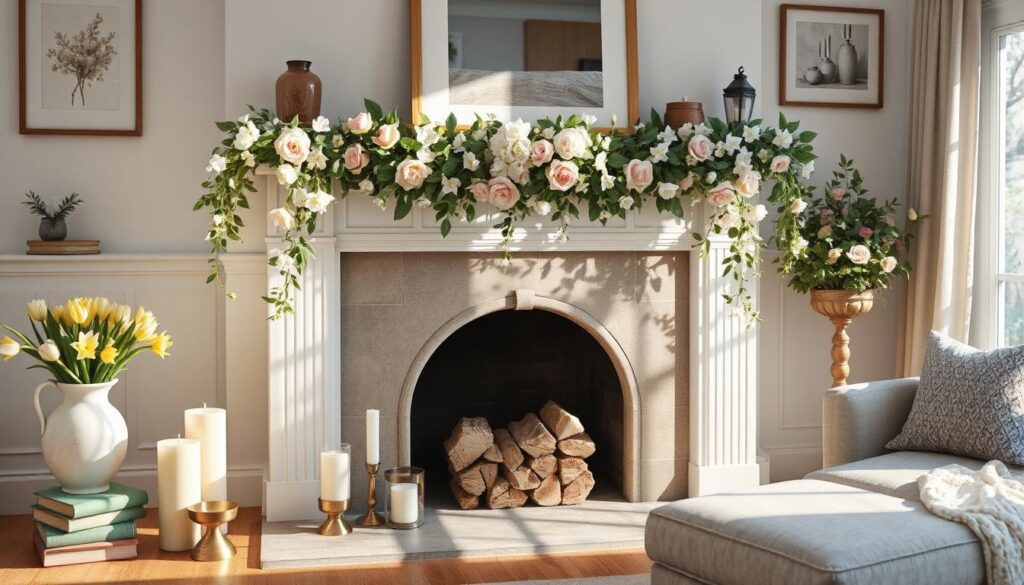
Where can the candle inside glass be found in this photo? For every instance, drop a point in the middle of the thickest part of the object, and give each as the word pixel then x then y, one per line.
pixel 335 472
pixel 404 501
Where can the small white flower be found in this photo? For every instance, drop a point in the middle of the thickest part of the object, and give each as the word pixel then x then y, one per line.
pixel 299 197
pixel 247 135
pixel 382 203
pixel 751 133
pixel 506 262
pixel 601 162
pixel 231 183
pixel 659 153
pixel 667 136
pixel 732 142
pixel 783 139
pixel 542 208
pixel 249 158
pixel 626 202
pixel 548 133
pixel 450 186
pixel 702 129
pixel 755 214
pixel 764 154
pixel 275 121
pixel 589 119
pixel 217 164
pixel 685 131
pixel 639 127
pixel 606 142
pixel 459 143
pixel 470 162
pixel 912 214
pixel 423 202
pixel 799 245
pixel 710 177
pixel 286 174
pixel 480 133
pixel 614 120
pixel 607 181
pixel 218 219
pixel 321 124
pixel 366 186
pixel 605 215
pixel 426 155
pixel 284 263
pixel 243 119
pixel 719 149
pixel 318 201
pixel 667 190
pixel 427 135
pixel 806 171
pixel 316 159
pixel 337 141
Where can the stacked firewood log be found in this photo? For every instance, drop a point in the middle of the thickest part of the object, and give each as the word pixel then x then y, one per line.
pixel 537 458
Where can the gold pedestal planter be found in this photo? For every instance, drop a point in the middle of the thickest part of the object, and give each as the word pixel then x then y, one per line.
pixel 213 546
pixel 841 306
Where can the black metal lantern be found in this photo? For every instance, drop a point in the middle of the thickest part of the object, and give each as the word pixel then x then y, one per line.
pixel 739 99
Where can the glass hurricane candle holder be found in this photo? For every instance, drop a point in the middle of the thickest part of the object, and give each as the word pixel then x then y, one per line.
pixel 403 497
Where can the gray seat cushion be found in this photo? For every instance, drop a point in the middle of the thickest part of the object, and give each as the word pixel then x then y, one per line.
pixel 808 532
pixel 892 474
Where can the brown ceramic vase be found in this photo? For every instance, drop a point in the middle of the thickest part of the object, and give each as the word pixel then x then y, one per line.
pixel 298 93
pixel 679 113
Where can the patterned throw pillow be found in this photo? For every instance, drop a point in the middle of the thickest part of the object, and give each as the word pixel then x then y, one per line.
pixel 969 402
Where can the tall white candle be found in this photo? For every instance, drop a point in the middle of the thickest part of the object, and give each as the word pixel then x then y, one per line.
pixel 178 487
pixel 209 427
pixel 335 474
pixel 373 436
pixel 405 507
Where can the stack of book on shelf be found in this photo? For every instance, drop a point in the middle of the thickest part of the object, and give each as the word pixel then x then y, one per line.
pixel 63 247
pixel 72 529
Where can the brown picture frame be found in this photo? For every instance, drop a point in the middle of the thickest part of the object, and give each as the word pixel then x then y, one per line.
pixel 23 127
pixel 785 76
pixel 631 60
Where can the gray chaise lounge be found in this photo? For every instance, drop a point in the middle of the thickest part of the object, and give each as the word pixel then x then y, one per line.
pixel 858 521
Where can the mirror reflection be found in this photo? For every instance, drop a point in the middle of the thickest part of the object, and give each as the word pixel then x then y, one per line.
pixel 525 53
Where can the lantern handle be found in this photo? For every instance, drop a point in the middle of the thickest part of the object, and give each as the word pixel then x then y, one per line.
pixel 741 70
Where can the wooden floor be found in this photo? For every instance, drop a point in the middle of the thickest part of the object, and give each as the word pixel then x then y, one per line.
pixel 19 564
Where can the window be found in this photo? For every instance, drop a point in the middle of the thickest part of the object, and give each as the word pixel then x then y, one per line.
pixel 1008 180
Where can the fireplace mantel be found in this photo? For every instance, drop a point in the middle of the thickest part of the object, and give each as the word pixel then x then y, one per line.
pixel 304 348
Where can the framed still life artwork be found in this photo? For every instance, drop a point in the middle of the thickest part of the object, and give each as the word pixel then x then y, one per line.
pixel 80 69
pixel 526 60
pixel 831 56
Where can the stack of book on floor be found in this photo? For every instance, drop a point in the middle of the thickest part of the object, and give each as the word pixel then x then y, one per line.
pixel 72 529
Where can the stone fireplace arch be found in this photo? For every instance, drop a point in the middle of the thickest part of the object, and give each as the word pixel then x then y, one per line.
pixel 526 300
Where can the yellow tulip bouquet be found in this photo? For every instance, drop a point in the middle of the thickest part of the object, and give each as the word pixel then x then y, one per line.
pixel 86 340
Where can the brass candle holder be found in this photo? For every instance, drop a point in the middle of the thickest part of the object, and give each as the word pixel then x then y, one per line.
pixel 335 524
pixel 372 519
pixel 213 546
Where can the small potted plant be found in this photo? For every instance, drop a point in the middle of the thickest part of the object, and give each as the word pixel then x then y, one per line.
pixel 841 247
pixel 84 344
pixel 52 227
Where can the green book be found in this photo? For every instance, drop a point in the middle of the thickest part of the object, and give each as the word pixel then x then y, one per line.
pixel 66 524
pixel 118 497
pixel 53 538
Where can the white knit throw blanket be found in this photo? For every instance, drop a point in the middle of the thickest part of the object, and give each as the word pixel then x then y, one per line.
pixel 990 502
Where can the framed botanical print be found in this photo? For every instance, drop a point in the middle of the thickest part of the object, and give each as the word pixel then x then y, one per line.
pixel 80 68
pixel 526 60
pixel 831 56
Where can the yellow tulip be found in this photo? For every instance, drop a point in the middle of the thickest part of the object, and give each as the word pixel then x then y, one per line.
pixel 86 345
pixel 120 314
pixel 145 325
pixel 10 348
pixel 58 313
pixel 101 308
pixel 37 310
pixel 161 343
pixel 109 353
pixel 78 311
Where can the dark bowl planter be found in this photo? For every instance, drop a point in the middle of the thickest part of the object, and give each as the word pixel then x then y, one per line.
pixel 53 230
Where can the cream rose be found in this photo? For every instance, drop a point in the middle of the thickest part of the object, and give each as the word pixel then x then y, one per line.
pixel 755 213
pixel 721 194
pixel 411 173
pixel 541 152
pixel 571 143
pixel 281 218
pixel 639 175
pixel 833 256
pixel 780 164
pixel 387 136
pixel 562 175
pixel 286 174
pixel 356 158
pixel 360 123
pixel 700 147
pixel 480 191
pixel 888 264
pixel 292 145
pixel 667 190
pixel 859 254
pixel 797 206
pixel 748 183
pixel 503 193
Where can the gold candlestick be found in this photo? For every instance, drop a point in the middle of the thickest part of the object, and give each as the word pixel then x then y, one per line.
pixel 371 519
pixel 214 546
pixel 335 524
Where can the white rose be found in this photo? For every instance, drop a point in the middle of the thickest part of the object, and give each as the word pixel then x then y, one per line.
pixel 292 145
pixel 780 164
pixel 571 143
pixel 411 173
pixel 626 202
pixel 246 136
pixel 217 164
pixel 321 124
pixel 888 264
pixel 48 351
pixel 281 218
pixel 667 190
pixel 366 186
pixel 286 174
pixel 859 254
pixel 755 214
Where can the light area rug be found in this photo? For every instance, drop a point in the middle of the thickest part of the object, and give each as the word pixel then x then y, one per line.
pixel 614 580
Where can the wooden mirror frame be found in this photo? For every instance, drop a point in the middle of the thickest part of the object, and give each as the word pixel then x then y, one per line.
pixel 632 69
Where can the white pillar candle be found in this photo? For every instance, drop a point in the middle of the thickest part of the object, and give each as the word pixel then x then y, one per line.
pixel 335 474
pixel 373 437
pixel 404 503
pixel 209 427
pixel 178 487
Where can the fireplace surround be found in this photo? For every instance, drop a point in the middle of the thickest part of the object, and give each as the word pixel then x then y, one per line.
pixel 382 297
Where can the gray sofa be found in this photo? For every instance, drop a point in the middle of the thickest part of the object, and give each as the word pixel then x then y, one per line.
pixel 857 521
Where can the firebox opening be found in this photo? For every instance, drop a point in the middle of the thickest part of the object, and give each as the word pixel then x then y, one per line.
pixel 506 364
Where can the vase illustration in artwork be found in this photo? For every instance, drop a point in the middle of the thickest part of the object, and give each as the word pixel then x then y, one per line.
pixel 828 70
pixel 812 75
pixel 847 58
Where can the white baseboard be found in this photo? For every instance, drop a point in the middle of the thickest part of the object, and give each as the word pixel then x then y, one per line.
pixel 793 462
pixel 713 479
pixel 291 500
pixel 245 486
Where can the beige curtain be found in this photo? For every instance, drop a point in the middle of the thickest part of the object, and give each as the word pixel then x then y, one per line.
pixel 944 102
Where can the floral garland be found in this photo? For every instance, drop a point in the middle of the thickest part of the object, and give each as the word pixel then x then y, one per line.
pixel 551 167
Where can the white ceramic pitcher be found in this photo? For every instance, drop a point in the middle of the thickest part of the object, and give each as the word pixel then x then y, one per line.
pixel 85 439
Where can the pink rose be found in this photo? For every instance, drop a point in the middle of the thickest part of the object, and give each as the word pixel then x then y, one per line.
pixel 825 214
pixel 845 210
pixel 748 184
pixel 838 193
pixel 503 193
pixel 387 136
pixel 728 220
pixel 859 254
pixel 700 147
pixel 356 158
pixel 541 152
pixel 562 175
pixel 687 182
pixel 480 191
pixel 865 232
pixel 360 123
pixel 410 174
pixel 639 175
pixel 780 164
pixel 722 194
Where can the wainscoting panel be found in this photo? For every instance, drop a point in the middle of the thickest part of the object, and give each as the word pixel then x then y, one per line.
pixel 152 394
